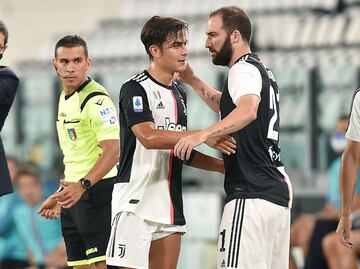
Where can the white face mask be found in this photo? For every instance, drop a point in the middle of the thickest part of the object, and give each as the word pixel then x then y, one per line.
pixel 338 141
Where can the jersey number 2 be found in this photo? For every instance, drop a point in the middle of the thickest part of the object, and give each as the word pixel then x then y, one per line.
pixel 274 98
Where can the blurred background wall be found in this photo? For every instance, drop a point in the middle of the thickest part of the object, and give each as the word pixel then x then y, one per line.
pixel 312 46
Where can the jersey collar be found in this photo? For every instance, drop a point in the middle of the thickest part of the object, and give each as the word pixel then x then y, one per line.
pixel 248 56
pixel 82 86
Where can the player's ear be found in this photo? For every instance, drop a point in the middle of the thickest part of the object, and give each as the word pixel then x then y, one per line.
pixel 154 51
pixel 88 61
pixel 235 36
pixel 54 64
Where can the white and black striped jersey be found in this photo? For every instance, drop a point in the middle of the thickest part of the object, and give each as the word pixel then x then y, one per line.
pixel 255 170
pixel 149 181
pixel 353 130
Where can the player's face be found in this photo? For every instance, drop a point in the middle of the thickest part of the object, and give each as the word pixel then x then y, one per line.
pixel 174 53
pixel 29 189
pixel 72 65
pixel 218 42
pixel 2 44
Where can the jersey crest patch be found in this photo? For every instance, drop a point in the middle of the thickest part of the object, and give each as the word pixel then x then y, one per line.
pixel 72 134
pixel 138 104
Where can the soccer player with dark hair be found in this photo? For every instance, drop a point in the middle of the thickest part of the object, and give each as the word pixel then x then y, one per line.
pixel 147 208
pixel 255 227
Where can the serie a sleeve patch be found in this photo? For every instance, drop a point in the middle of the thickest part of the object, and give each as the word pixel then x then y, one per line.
pixel 138 104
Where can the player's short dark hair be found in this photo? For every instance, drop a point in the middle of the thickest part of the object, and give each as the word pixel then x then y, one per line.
pixel 4 31
pixel 343 117
pixel 71 41
pixel 234 18
pixel 27 172
pixel 157 30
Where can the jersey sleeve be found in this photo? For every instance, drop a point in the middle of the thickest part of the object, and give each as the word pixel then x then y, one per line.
pixel 353 131
pixel 244 78
pixel 103 117
pixel 134 104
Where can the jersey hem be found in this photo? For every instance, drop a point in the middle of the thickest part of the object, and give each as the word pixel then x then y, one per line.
pixel 270 198
pixel 177 221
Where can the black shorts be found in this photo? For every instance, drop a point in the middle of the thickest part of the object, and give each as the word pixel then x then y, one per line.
pixel 86 226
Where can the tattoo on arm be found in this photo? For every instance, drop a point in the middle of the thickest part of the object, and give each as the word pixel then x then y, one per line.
pixel 212 97
pixel 223 129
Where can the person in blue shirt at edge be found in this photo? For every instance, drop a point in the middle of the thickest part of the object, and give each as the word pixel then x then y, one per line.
pixel 42 238
pixel 12 250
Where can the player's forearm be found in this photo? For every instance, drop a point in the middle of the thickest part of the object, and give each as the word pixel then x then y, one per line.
pixel 236 120
pixel 348 177
pixel 106 161
pixel 208 94
pixel 206 162
pixel 162 139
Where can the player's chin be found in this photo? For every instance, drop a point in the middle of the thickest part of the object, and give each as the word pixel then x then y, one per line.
pixel 181 66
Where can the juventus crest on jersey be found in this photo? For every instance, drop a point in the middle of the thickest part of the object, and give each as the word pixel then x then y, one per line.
pixel 149 180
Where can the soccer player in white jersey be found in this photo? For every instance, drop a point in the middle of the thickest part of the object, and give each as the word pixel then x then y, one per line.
pixel 147 208
pixel 255 227
pixel 349 171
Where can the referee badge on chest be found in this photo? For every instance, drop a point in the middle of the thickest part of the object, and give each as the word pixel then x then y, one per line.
pixel 72 134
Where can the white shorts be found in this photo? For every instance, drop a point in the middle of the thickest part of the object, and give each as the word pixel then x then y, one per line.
pixel 254 233
pixel 131 237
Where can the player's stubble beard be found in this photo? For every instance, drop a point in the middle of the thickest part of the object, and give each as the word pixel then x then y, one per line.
pixel 223 57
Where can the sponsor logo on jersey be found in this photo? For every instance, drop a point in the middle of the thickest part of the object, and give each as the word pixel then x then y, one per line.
pixel 160 105
pixel 108 116
pixel 107 112
pixel 100 102
pixel 157 96
pixel 72 134
pixel 222 263
pixel 171 126
pixel 274 155
pixel 138 104
pixel 122 248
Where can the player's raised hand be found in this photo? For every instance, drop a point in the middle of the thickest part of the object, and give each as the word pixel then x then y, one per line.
pixel 225 144
pixel 50 209
pixel 186 76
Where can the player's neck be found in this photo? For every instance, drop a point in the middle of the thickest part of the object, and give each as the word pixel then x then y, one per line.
pixel 161 75
pixel 69 90
pixel 237 53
